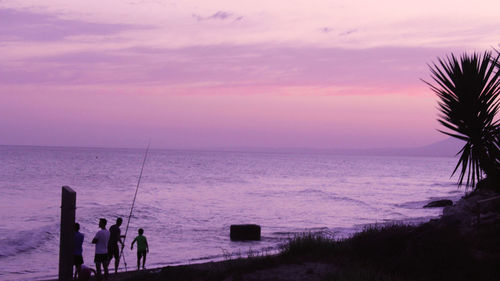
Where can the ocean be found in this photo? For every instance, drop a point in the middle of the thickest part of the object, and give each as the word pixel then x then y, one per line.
pixel 187 200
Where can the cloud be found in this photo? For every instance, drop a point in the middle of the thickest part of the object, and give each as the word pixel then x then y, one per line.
pixel 219 15
pixel 20 25
pixel 231 66
pixel 326 29
pixel 348 32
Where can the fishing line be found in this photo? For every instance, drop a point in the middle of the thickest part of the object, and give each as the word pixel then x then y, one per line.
pixel 133 203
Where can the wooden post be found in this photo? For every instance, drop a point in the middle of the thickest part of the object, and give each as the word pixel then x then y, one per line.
pixel 66 242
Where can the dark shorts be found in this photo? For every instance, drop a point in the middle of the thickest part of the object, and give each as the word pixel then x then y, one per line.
pixel 113 251
pixel 77 260
pixel 101 258
pixel 141 254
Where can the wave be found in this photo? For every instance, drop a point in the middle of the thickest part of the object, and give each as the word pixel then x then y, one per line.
pixel 413 204
pixel 333 196
pixel 312 191
pixel 233 253
pixel 25 240
pixel 444 184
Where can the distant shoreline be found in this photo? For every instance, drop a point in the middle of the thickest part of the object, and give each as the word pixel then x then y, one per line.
pixel 444 148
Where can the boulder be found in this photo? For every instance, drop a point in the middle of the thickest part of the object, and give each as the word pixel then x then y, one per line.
pixel 439 203
pixel 466 211
pixel 245 232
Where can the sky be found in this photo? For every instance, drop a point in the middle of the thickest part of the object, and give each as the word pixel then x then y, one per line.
pixel 229 74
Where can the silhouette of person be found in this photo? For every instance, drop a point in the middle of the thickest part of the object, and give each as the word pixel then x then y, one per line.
pixel 115 237
pixel 142 248
pixel 100 240
pixel 85 273
pixel 78 251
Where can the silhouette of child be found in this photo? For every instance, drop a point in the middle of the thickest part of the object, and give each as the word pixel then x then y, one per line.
pixel 142 248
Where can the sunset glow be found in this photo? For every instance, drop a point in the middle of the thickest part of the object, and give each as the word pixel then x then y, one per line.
pixel 225 74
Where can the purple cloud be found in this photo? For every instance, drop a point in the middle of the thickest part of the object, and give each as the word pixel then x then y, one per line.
pixel 20 25
pixel 326 29
pixel 219 15
pixel 348 32
pixel 232 66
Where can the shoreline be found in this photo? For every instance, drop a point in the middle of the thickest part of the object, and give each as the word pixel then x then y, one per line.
pixel 181 228
pixel 232 257
pixel 455 223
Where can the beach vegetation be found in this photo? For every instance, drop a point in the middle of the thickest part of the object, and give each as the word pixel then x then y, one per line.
pixel 468 88
pixel 431 251
pixel 309 244
pixel 437 250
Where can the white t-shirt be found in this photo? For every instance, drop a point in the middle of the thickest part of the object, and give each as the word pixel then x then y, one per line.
pixel 102 236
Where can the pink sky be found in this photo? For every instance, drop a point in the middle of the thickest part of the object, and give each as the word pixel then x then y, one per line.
pixel 221 74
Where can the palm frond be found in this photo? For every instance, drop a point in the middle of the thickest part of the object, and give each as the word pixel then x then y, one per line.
pixel 468 88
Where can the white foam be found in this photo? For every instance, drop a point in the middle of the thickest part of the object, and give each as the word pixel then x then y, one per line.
pixel 16 242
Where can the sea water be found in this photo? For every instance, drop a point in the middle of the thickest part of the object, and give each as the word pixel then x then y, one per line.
pixel 187 200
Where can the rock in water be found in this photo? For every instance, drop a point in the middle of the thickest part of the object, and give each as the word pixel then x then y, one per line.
pixel 439 203
pixel 242 232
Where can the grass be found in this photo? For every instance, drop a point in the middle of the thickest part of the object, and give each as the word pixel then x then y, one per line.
pixel 309 246
pixel 403 252
pixel 397 252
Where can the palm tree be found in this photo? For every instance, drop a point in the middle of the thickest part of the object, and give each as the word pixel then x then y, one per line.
pixel 468 89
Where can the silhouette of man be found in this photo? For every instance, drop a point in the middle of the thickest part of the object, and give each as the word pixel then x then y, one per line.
pixel 78 251
pixel 115 237
pixel 100 240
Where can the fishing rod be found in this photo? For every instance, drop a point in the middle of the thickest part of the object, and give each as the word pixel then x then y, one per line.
pixel 133 203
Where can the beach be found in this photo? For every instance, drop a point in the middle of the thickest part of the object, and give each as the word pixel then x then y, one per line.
pixel 187 200
pixel 452 247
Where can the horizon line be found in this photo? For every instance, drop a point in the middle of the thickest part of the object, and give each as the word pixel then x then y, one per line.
pixel 238 148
